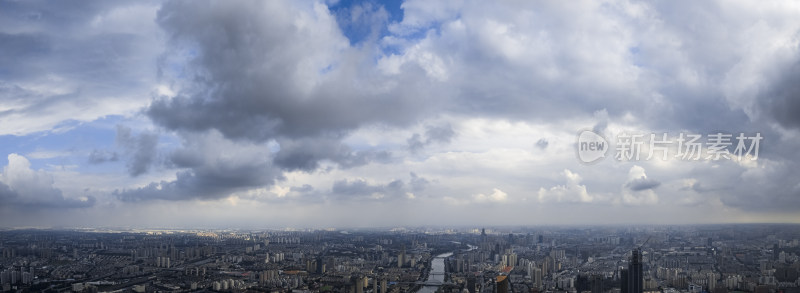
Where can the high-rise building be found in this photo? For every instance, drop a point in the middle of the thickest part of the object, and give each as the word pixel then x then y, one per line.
pixel 623 280
pixel 471 284
pixel 596 284
pixel 512 260
pixel 401 258
pixel 502 284
pixel 537 278
pixel 712 282
pixel 547 265
pixel 358 284
pixel 635 276
pixel 311 266
pixel 320 263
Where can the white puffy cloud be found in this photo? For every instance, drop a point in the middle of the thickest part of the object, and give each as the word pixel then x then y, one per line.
pixel 638 190
pixel 497 195
pixel 21 186
pixel 572 191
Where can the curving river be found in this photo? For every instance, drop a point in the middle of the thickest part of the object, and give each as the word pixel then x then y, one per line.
pixel 437 271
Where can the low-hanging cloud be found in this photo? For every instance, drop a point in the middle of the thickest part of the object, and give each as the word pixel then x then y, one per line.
pixel 209 170
pixel 362 189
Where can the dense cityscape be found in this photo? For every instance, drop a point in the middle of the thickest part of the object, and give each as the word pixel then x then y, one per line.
pixel 712 258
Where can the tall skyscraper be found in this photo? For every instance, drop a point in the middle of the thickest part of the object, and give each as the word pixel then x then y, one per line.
pixel 623 280
pixel 635 276
pixel 537 278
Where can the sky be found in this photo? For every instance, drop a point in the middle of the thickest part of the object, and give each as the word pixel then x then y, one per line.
pixel 254 114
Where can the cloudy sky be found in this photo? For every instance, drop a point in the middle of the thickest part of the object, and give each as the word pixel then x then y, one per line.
pixel 395 113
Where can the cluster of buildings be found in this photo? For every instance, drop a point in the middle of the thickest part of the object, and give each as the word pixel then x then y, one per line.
pixel 696 259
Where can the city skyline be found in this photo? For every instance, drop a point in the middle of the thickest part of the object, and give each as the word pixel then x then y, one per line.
pixel 318 114
pixel 684 259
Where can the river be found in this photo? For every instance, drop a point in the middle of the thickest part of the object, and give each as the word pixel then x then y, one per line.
pixel 436 274
pixel 437 271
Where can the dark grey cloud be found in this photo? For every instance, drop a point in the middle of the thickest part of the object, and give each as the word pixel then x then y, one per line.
pixel 772 188
pixel 102 156
pixel 439 134
pixel 417 183
pixel 358 187
pixel 306 154
pixel 415 143
pixel 298 92
pixel 270 103
pixel 753 186
pixel 251 74
pixel 361 189
pixel 306 88
pixel 542 143
pixel 699 187
pixel 141 149
pixel 73 61
pixel 433 134
pixel 11 198
pixel 255 75
pixel 203 184
pixel 642 183
pixel 303 80
pixel 781 101
pixel 211 167
pixel 302 189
